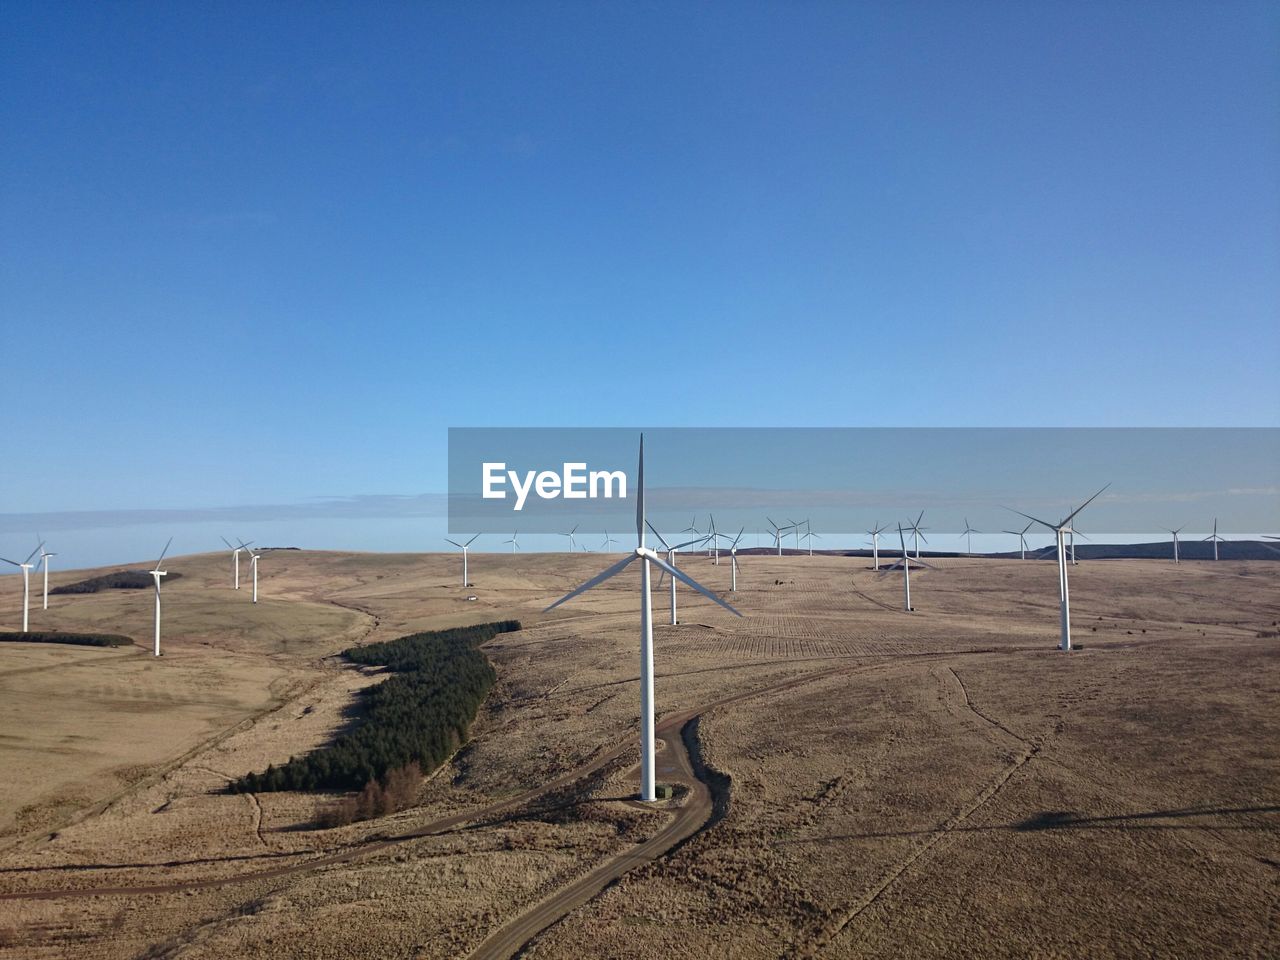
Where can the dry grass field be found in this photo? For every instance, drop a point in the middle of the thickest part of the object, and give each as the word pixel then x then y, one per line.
pixel 870 782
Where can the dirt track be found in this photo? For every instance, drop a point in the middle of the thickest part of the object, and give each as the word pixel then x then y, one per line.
pixel 675 766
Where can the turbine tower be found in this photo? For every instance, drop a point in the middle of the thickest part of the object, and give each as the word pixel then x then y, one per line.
pixel 671 559
pixel 810 535
pixel 905 564
pixel 25 566
pixel 44 559
pixel 235 560
pixel 253 566
pixel 1215 538
pixel 1175 543
pixel 156 574
pixel 968 536
pixel 1060 531
pixel 463 547
pixel 916 535
pixel 1022 539
pixel 777 534
pixel 795 528
pixel 733 560
pixel 874 534
pixel 646 557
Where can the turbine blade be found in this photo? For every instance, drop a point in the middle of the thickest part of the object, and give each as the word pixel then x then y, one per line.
pixel 454 542
pixel 640 496
pixel 39 547
pixel 227 542
pixel 690 543
pixel 595 581
pixel 660 537
pixel 1043 523
pixel 1082 506
pixel 689 581
pixel 163 552
pixel 473 540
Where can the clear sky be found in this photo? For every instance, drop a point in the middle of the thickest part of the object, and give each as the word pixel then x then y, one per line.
pixel 254 253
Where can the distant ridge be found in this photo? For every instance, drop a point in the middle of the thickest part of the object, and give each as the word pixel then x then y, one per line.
pixel 1160 550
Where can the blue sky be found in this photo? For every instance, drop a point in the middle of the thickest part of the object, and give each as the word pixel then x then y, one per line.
pixel 259 253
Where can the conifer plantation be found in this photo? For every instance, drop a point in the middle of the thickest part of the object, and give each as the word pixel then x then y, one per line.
pixel 417 716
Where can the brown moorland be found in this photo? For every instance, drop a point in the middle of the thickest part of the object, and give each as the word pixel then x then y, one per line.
pixel 850 780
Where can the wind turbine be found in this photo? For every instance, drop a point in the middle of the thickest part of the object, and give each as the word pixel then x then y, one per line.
pixel 463 547
pixel 515 544
pixel 874 534
pixel 25 566
pixel 795 528
pixel 1215 538
pixel 671 559
pixel 44 559
pixel 733 560
pixel 157 573
pixel 604 547
pixel 968 536
pixel 777 535
pixel 916 535
pixel 714 543
pixel 810 535
pixel 572 542
pixel 905 564
pixel 1022 538
pixel 235 560
pixel 1175 542
pixel 253 565
pixel 646 557
pixel 1060 530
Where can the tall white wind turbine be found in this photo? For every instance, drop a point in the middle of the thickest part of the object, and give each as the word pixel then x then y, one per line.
pixel 795 528
pixel 916 534
pixel 253 567
pixel 156 574
pixel 1060 531
pixel 604 547
pixel 572 543
pixel 1215 538
pixel 1175 543
pixel 1022 539
pixel 671 559
pixel 874 534
pixel 646 557
pixel 235 560
pixel 515 543
pixel 777 534
pixel 25 566
pixel 733 560
pixel 905 563
pixel 810 535
pixel 44 560
pixel 968 536
pixel 466 582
